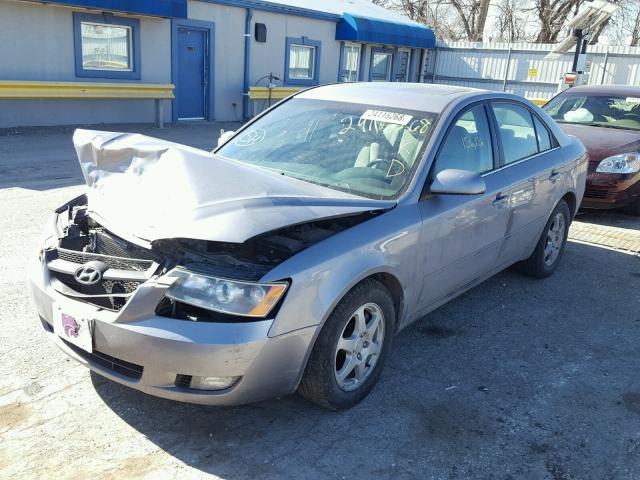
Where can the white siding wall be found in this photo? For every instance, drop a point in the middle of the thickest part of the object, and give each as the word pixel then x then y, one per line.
pixel 485 66
pixel 270 56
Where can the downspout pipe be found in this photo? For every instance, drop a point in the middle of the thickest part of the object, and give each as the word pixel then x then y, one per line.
pixel 247 63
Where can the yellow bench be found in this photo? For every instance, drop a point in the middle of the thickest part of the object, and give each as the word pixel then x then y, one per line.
pixel 276 93
pixel 30 90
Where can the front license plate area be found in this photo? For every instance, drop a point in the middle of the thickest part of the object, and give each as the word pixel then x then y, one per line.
pixel 74 327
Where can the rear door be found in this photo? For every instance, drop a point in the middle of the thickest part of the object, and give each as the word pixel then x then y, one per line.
pixel 528 159
pixel 463 234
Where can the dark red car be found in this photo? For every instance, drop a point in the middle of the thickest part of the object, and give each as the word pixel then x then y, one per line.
pixel 607 120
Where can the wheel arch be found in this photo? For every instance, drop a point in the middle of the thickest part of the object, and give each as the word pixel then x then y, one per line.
pixel 570 198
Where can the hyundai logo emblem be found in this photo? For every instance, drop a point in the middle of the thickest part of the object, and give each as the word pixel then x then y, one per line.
pixel 90 273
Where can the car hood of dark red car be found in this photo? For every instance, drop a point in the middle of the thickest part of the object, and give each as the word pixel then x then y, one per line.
pixel 602 142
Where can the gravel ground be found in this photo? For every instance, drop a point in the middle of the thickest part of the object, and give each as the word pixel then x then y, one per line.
pixel 518 378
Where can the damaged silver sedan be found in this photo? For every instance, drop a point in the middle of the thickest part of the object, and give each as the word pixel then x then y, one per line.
pixel 290 257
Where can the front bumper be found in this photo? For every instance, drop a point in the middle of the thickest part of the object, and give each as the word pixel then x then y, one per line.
pixel 148 352
pixel 611 190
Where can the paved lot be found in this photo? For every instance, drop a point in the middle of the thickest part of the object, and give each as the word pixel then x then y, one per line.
pixel 516 379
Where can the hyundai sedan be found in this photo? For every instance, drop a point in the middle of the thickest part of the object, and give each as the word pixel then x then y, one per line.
pixel 288 259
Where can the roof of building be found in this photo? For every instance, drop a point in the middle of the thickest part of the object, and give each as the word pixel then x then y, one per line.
pixel 409 96
pixel 360 8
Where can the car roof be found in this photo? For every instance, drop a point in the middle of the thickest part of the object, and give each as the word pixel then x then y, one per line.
pixel 410 96
pixel 621 90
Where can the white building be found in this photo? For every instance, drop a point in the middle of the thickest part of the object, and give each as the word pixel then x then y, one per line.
pixel 212 51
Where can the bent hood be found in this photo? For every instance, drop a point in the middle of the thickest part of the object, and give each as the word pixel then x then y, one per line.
pixel 154 189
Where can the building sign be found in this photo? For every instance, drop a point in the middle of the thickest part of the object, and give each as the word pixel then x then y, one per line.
pixel 533 72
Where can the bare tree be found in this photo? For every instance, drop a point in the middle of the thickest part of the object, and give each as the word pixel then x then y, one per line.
pixel 512 22
pixel 473 15
pixel 437 14
pixel 553 16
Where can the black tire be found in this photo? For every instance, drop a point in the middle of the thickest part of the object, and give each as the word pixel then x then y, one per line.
pixel 319 384
pixel 535 265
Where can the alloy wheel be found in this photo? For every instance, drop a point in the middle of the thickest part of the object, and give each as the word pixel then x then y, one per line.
pixel 359 346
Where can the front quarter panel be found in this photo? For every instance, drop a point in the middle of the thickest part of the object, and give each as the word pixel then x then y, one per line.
pixel 322 274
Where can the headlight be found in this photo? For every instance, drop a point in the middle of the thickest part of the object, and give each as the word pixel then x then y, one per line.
pixel 225 296
pixel 622 163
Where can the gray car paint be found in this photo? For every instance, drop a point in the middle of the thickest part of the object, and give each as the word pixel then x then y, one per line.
pixel 428 249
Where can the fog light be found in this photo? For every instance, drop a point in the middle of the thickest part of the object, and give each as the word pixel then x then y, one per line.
pixel 212 383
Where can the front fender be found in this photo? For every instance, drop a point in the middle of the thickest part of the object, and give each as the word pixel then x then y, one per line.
pixel 324 273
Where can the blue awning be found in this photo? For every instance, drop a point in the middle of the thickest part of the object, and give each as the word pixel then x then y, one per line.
pixel 156 8
pixel 370 30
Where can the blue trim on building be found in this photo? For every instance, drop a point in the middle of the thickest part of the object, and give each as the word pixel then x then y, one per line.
pixel 247 64
pixel 340 60
pixel 209 27
pixel 394 65
pixel 109 19
pixel 316 61
pixel 363 53
pixel 410 75
pixel 278 8
pixel 374 50
pixel 156 8
pixel 371 30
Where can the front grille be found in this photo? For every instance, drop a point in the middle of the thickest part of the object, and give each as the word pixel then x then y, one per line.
pixel 606 194
pixel 121 263
pixel 105 287
pixel 117 365
pixel 595 193
pixel 107 244
pixel 183 381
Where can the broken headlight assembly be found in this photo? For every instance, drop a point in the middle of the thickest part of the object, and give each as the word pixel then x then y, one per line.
pixel 222 295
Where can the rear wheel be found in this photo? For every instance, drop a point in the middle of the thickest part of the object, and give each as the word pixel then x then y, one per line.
pixel 546 257
pixel 350 351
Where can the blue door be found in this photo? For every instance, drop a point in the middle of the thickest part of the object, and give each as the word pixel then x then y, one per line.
pixel 193 73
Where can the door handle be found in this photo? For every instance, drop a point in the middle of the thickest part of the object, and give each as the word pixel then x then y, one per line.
pixel 554 175
pixel 500 201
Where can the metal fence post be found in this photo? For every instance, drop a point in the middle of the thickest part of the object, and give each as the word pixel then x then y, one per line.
pixel 506 72
pixel 604 66
pixel 435 65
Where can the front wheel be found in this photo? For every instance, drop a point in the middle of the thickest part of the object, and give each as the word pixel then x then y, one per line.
pixel 350 351
pixel 545 258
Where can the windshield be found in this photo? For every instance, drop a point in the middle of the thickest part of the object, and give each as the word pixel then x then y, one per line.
pixel 360 149
pixel 598 110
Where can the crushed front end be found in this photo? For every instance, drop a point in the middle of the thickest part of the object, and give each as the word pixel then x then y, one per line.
pixel 106 301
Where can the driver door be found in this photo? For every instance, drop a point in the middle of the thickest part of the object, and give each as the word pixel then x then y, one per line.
pixel 463 234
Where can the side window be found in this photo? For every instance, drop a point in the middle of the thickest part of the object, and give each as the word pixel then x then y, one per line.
pixel 517 133
pixel 543 135
pixel 468 144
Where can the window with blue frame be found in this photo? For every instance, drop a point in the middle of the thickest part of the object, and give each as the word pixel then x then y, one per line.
pixel 302 61
pixel 106 46
pixel 381 65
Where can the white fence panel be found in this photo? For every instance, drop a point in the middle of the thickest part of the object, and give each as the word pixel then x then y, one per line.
pixel 522 69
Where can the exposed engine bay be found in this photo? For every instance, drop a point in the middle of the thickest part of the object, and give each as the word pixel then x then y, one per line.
pixel 82 240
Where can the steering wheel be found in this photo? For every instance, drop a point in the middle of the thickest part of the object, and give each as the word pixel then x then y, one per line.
pixel 403 167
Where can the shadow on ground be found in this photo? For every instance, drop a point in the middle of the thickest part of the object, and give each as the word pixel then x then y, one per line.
pixel 518 378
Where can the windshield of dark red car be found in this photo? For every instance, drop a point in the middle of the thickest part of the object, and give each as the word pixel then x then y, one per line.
pixel 598 110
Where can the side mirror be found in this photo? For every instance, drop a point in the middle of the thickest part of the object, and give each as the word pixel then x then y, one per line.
pixel 225 136
pixel 458 182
